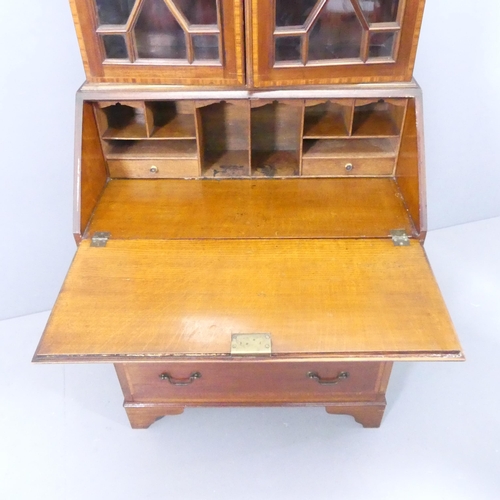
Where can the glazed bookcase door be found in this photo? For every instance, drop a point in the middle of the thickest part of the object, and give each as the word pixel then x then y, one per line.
pixel 309 42
pixel 186 42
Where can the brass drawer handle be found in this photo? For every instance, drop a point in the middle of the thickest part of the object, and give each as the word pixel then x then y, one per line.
pixel 328 381
pixel 184 381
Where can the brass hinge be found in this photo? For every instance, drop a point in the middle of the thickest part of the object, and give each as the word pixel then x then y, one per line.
pixel 99 239
pixel 400 238
pixel 251 343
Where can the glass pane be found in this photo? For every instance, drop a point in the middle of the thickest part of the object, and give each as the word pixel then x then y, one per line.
pixel 336 33
pixel 206 47
pixel 114 11
pixel 381 44
pixel 380 11
pixel 198 11
pixel 115 47
pixel 158 34
pixel 293 13
pixel 288 48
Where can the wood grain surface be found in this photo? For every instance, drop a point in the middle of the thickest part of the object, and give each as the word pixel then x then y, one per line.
pixel 408 168
pixel 93 174
pixel 260 208
pixel 355 299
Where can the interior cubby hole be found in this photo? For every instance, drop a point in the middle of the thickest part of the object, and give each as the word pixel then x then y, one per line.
pixel 275 139
pixel 328 119
pixel 121 121
pixel 225 139
pixel 171 119
pixel 381 118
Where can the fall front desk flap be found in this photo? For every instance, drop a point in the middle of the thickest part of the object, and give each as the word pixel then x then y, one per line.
pixel 155 299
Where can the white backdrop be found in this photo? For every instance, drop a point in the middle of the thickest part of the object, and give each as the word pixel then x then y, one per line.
pixel 458 66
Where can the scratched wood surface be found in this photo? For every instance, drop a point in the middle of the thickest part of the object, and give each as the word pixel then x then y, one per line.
pixel 359 299
pixel 261 208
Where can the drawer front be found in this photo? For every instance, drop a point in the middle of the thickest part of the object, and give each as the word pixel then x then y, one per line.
pixel 247 382
pixel 153 169
pixel 348 167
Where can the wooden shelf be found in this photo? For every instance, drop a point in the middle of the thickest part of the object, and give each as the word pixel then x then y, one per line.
pixel 181 149
pixel 350 148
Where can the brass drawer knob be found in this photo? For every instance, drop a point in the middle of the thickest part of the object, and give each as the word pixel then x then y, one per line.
pixel 182 381
pixel 328 381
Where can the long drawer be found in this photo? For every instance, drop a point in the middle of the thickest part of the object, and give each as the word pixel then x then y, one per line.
pixel 250 381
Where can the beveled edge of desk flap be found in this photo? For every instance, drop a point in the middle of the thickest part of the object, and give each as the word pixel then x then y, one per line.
pixel 189 358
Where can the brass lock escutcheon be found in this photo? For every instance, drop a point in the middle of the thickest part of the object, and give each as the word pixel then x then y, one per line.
pixel 251 343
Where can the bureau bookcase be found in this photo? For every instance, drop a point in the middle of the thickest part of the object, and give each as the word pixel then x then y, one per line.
pixel 249 205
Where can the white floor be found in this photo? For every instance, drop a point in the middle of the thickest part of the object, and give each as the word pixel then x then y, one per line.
pixel 64 435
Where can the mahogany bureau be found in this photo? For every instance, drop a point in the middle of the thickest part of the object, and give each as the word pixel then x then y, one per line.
pixel 249 205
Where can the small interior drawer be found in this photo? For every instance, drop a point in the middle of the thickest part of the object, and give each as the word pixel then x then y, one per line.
pixel 153 168
pixel 242 381
pixel 348 166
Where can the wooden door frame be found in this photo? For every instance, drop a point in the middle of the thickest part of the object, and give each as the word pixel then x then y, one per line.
pixel 230 73
pixel 259 18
